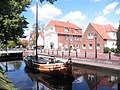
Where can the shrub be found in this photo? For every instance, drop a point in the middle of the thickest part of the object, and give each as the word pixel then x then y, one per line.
pixel 113 50
pixel 106 49
pixel 117 50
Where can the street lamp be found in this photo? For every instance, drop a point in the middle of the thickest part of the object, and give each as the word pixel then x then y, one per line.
pixel 69 46
pixel 95 36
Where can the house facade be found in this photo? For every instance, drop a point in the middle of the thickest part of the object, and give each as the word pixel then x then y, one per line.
pixel 32 39
pixel 98 37
pixel 62 35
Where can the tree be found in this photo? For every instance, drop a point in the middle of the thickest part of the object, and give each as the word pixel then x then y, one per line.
pixel 51 1
pixel 11 44
pixel 118 39
pixel 12 24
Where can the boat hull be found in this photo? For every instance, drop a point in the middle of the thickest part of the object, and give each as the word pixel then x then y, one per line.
pixel 49 68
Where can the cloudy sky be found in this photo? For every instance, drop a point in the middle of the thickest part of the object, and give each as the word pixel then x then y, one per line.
pixel 79 12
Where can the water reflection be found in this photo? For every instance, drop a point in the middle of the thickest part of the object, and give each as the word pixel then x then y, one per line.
pixel 85 78
pixel 45 81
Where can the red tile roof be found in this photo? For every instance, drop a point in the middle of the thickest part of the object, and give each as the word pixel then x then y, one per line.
pixel 62 24
pixel 109 28
pixel 59 27
pixel 103 29
pixel 24 41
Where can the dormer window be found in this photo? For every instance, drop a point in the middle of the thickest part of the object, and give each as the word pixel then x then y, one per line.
pixel 66 30
pixel 76 30
pixel 90 35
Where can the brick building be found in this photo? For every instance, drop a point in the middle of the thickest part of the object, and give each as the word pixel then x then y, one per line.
pixel 62 35
pixel 105 37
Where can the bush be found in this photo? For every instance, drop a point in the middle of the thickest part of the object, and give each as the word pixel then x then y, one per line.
pixel 117 50
pixel 113 50
pixel 106 49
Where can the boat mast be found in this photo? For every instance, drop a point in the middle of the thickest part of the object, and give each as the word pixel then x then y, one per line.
pixel 36 28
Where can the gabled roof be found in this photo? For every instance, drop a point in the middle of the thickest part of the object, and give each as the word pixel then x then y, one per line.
pixel 62 24
pixel 109 28
pixel 24 41
pixel 103 29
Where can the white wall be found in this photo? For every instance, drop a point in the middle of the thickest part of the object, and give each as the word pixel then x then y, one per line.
pixel 50 35
pixel 40 40
pixel 112 35
pixel 110 44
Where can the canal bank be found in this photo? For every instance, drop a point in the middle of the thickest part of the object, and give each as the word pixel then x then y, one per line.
pixel 5 83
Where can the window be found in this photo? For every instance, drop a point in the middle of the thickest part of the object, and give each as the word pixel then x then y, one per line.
pixel 76 30
pixel 90 35
pixel 66 37
pixel 71 37
pixel 66 30
pixel 51 28
pixel 98 46
pixel 84 46
pixel 114 34
pixel 75 37
pixel 90 46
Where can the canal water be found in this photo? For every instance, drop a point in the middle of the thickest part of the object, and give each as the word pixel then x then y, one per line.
pixel 84 78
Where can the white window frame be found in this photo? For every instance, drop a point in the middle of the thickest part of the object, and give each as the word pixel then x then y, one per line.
pixel 75 30
pixel 90 36
pixel 66 29
pixel 90 47
pixel 84 47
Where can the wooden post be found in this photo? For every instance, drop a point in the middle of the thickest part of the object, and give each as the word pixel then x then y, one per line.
pixel 85 54
pixel 76 53
pixel 52 52
pixel 109 55
pixel 48 52
pixel 62 54
pixel 57 52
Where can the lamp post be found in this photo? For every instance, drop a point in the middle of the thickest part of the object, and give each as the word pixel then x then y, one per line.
pixel 36 28
pixel 69 45
pixel 95 36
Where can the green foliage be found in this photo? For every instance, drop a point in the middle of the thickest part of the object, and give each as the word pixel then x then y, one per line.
pixel 106 50
pixel 117 50
pixel 12 24
pixel 112 50
pixel 5 83
pixel 11 44
pixel 51 1
pixel 118 38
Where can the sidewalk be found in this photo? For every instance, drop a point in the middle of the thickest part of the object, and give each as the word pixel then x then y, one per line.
pixel 97 64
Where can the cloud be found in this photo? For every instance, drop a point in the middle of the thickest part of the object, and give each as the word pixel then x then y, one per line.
pixel 104 21
pixel 100 20
pixel 47 11
pixel 109 8
pixel 76 15
pixel 117 11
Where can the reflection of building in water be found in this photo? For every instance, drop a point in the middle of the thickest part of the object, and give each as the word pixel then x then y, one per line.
pixel 91 77
pixel 96 80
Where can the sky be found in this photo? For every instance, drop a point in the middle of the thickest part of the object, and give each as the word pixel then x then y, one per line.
pixel 79 12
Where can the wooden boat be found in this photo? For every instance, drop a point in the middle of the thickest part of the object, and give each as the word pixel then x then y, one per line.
pixel 49 65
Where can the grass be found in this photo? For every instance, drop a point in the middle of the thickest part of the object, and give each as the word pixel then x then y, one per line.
pixel 5 83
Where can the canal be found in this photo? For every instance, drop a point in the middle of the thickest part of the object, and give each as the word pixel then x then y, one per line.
pixel 85 78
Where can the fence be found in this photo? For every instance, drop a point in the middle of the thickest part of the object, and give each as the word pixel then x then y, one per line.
pixel 75 54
